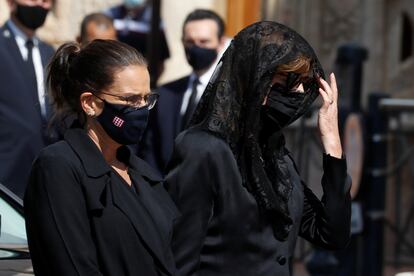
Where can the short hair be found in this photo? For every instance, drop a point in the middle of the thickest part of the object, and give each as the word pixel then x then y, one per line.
pixel 200 14
pixel 99 19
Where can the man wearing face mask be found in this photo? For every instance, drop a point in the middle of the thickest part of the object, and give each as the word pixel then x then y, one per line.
pixel 24 109
pixel 132 21
pixel 203 40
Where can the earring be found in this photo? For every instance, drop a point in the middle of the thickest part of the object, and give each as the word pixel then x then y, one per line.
pixel 91 113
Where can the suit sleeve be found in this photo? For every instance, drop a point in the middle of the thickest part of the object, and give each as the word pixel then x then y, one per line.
pixel 326 222
pixel 57 223
pixel 190 183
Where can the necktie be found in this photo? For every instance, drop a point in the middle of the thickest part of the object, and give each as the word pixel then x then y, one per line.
pixel 30 65
pixel 32 74
pixel 192 103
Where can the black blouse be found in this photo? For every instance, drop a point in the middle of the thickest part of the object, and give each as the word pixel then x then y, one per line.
pixel 222 231
pixel 83 219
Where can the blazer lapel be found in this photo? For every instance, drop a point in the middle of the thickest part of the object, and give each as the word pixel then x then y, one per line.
pixel 141 221
pixel 101 178
pixel 14 51
pixel 149 200
pixel 11 44
pixel 184 86
pixel 180 88
pixel 45 54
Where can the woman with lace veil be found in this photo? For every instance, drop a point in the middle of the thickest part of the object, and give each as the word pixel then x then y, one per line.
pixel 242 200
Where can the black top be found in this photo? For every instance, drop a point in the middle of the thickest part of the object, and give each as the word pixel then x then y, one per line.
pixel 223 232
pixel 83 219
pixel 232 108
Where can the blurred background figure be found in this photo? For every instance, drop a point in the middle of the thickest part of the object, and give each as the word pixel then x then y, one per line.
pixel 132 21
pixel 24 108
pixel 96 26
pixel 203 39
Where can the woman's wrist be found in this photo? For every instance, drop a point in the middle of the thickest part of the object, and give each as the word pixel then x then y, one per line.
pixel 332 146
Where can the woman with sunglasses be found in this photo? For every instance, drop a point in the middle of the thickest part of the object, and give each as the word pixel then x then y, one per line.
pixel 242 200
pixel 92 207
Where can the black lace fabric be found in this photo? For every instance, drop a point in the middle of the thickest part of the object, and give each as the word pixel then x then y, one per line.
pixel 231 109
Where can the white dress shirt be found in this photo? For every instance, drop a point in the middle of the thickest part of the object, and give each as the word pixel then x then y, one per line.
pixel 21 39
pixel 203 81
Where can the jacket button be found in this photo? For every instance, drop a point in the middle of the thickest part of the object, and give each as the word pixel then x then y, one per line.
pixel 281 260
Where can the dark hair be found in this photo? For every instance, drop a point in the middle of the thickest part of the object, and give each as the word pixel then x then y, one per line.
pixel 74 70
pixel 200 14
pixel 99 19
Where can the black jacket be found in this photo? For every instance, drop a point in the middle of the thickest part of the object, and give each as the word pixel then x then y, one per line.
pixel 23 132
pixel 164 124
pixel 222 231
pixel 83 219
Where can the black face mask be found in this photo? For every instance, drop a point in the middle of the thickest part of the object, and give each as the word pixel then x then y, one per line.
pixel 282 106
pixel 200 58
pixel 31 17
pixel 123 123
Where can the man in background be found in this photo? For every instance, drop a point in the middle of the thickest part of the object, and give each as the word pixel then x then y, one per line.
pixel 132 21
pixel 203 39
pixel 96 26
pixel 24 108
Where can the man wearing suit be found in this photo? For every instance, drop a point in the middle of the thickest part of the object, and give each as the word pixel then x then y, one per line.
pixel 203 39
pixel 24 109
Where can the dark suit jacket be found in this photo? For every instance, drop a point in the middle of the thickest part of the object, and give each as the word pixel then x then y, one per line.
pixel 164 124
pixel 222 231
pixel 22 129
pixel 83 219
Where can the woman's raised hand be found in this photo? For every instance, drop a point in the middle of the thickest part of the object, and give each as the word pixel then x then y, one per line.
pixel 328 117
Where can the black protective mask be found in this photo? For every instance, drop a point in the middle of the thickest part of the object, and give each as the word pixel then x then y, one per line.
pixel 282 106
pixel 200 58
pixel 31 17
pixel 123 123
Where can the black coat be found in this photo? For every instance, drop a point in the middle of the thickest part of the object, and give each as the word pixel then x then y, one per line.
pixel 222 231
pixel 83 219
pixel 164 124
pixel 23 132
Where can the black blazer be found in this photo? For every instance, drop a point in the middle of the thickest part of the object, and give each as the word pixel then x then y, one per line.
pixel 83 219
pixel 22 130
pixel 164 124
pixel 222 231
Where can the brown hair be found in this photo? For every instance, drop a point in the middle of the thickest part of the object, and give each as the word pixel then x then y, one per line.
pixel 300 65
pixel 74 70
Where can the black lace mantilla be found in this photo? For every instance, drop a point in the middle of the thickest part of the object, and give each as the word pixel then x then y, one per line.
pixel 231 106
